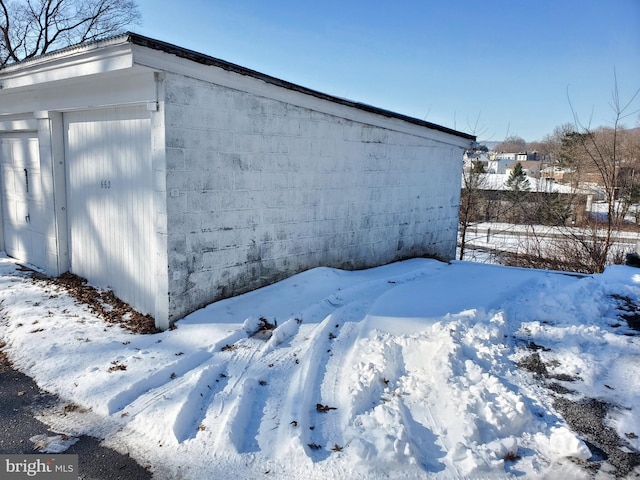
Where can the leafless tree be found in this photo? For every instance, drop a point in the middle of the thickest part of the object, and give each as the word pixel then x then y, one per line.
pixel 604 151
pixel 512 144
pixel 473 180
pixel 609 157
pixel 551 146
pixel 29 28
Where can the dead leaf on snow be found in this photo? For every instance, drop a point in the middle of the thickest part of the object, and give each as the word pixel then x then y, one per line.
pixel 324 408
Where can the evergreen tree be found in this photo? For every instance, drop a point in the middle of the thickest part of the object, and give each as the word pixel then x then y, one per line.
pixel 477 167
pixel 518 194
pixel 553 209
pixel 518 181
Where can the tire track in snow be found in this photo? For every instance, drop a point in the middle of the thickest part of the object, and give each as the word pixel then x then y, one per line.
pixel 304 390
pixel 457 385
pixel 419 441
pixel 235 406
pixel 231 402
pixel 317 382
pixel 245 416
pixel 143 393
pixel 211 381
pixel 421 391
pixel 237 412
pixel 193 412
pixel 377 419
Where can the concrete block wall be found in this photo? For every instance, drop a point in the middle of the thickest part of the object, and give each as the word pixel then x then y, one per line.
pixel 259 189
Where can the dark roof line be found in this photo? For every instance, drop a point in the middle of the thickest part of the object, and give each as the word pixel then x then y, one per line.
pixel 231 67
pixel 203 59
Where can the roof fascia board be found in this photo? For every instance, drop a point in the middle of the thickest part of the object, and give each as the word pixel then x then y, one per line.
pixel 63 67
pixel 279 90
pixel 121 87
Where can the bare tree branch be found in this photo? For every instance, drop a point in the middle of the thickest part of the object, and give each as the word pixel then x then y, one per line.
pixel 601 150
pixel 34 27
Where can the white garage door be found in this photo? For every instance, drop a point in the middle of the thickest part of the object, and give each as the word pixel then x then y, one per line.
pixel 22 198
pixel 110 199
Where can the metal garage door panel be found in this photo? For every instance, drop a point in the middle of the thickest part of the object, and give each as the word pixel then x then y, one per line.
pixel 22 206
pixel 109 201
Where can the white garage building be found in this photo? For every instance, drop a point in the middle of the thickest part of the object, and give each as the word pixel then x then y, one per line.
pixel 177 179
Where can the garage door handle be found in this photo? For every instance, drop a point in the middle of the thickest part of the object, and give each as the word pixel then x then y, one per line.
pixel 28 218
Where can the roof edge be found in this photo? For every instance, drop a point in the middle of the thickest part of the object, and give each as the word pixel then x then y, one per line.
pixel 148 42
pixel 85 46
pixel 204 59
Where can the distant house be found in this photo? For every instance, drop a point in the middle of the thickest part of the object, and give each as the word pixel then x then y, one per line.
pixel 499 165
pixel 530 168
pixel 470 158
pixel 556 173
pixel 499 162
pixel 527 157
pixel 177 179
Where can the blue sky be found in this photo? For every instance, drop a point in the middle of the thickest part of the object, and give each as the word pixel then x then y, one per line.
pixel 490 67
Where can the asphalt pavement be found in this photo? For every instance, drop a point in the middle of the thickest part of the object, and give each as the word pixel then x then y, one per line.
pixel 21 399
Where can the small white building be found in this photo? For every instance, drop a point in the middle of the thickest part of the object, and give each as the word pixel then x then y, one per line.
pixel 498 166
pixel 470 158
pixel 177 179
pixel 501 162
pixel 530 168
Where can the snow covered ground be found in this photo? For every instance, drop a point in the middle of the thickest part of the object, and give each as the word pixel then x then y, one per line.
pixel 418 369
pixel 486 242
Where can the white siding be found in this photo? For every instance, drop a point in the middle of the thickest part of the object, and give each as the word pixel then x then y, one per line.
pixel 110 201
pixel 21 201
